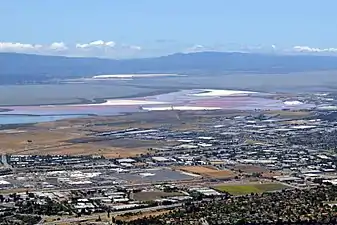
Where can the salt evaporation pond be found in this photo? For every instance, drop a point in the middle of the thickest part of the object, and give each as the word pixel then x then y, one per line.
pixel 202 99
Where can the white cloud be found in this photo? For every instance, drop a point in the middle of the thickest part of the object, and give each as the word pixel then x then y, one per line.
pixel 99 48
pixel 30 48
pixel 58 46
pixel 97 44
pixel 258 48
pixel 199 48
pixel 18 47
pixel 233 48
pixel 126 47
pixel 310 49
pixel 196 48
pixel 135 47
pixel 111 49
pixel 110 44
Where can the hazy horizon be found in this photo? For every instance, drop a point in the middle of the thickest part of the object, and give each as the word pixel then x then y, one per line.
pixel 75 93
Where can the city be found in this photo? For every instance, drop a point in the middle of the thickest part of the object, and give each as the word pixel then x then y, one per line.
pixel 220 155
pixel 168 112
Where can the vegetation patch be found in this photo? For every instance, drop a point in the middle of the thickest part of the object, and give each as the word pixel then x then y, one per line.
pixel 250 188
pixel 139 215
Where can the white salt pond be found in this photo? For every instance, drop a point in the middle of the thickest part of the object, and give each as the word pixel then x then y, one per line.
pixel 219 93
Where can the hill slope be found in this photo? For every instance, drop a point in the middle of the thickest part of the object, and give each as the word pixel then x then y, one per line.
pixel 21 68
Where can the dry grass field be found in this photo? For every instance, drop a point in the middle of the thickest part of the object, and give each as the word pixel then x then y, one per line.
pixel 50 138
pixel 56 137
pixel 88 149
pixel 289 114
pixel 206 171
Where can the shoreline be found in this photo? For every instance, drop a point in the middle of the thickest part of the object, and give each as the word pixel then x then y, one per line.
pixel 81 116
pixel 34 115
pixel 145 104
pixel 3 108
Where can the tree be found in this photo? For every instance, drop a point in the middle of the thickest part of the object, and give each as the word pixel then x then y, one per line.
pixel 255 174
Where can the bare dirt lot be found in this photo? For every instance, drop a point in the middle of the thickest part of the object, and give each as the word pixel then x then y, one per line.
pixel 250 169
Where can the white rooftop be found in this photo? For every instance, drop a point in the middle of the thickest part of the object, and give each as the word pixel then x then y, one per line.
pixel 160 159
pixel 126 160
pixel 3 182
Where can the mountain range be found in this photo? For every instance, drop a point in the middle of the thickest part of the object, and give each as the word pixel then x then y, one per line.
pixel 25 68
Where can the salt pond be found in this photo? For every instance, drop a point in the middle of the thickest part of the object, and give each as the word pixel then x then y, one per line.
pixel 196 99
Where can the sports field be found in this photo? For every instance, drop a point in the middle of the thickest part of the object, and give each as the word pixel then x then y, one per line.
pixel 250 188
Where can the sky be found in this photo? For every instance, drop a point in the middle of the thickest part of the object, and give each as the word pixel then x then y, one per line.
pixel 147 28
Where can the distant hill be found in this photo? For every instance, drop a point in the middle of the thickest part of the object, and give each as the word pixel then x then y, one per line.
pixel 25 68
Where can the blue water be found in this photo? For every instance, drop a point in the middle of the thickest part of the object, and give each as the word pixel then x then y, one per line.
pixel 36 114
pixel 24 119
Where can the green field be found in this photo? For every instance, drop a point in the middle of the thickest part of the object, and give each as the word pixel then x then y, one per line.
pixel 249 188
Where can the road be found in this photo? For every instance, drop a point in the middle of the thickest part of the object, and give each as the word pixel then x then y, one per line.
pixel 94 216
